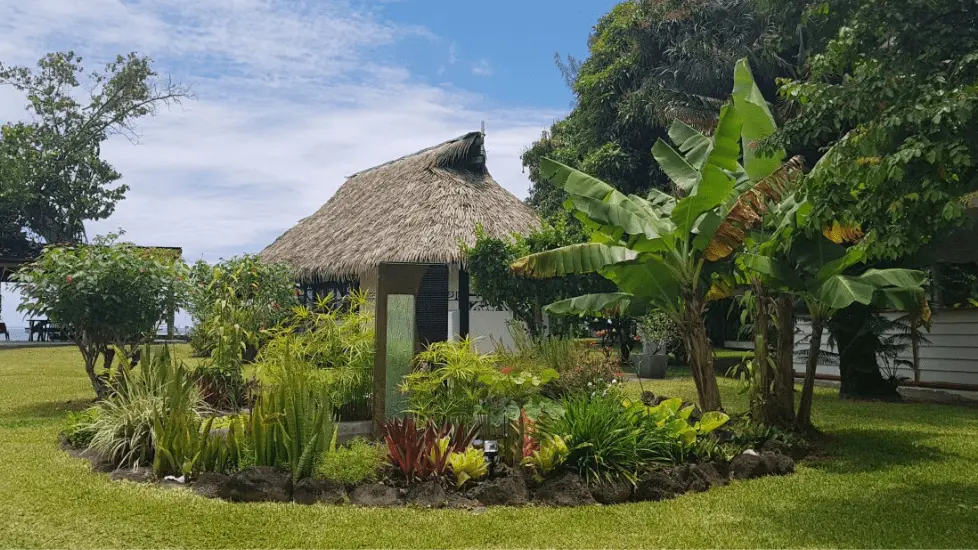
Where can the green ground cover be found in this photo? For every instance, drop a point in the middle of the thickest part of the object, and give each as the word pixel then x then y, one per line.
pixel 897 475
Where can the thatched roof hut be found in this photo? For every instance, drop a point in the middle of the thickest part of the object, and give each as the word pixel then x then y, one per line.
pixel 418 208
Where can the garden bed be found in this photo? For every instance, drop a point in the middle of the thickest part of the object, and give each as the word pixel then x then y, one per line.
pixel 509 487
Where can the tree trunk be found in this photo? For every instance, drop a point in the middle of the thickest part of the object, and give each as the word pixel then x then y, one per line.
pixel 760 396
pixel 90 354
pixel 783 401
pixel 915 344
pixel 858 347
pixel 700 356
pixel 804 420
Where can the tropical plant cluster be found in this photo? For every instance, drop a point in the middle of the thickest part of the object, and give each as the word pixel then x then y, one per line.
pixel 736 220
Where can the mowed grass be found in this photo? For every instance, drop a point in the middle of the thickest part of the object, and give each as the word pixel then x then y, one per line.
pixel 898 475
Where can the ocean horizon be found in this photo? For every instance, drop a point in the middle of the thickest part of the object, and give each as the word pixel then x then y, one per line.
pixel 20 334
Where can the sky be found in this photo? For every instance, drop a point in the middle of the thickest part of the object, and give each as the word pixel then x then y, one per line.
pixel 293 96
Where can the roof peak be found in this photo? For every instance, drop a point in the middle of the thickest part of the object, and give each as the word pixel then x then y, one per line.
pixel 465 151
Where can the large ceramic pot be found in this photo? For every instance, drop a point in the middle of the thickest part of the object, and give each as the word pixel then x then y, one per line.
pixel 650 366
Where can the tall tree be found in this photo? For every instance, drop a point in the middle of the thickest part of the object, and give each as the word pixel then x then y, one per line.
pixel 52 172
pixel 651 61
pixel 891 100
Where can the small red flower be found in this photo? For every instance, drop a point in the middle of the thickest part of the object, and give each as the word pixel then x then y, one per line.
pixel 275 305
pixel 600 333
pixel 506 370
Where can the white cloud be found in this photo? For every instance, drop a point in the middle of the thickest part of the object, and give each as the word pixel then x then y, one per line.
pixel 482 68
pixel 291 100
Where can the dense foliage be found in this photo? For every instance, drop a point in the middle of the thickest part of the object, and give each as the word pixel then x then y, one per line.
pixel 333 340
pixel 107 296
pixel 654 61
pixel 488 262
pixel 893 98
pixel 356 462
pixel 235 299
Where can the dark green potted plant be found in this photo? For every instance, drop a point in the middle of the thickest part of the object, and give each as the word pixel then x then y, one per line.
pixel 659 335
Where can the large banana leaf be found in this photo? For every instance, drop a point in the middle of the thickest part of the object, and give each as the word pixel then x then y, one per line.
pixel 841 291
pixel 694 146
pixel 682 173
pixel 630 220
pixel 576 258
pixel 758 124
pixel 617 303
pixel 575 182
pixel 900 299
pixel 648 277
pixel 896 278
pixel 892 288
pixel 714 189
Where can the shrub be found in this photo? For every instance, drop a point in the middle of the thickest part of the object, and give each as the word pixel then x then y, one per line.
pixel 449 384
pixel 353 463
pixel 335 342
pixel 78 431
pixel 552 452
pixel 123 428
pixel 587 371
pixel 605 438
pixel 420 453
pixel 106 296
pixel 469 465
pixel 224 388
pixel 687 439
pixel 290 424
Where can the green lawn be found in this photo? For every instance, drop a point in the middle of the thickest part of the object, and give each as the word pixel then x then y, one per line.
pixel 899 476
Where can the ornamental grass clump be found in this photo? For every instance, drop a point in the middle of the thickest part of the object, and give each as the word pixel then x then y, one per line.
pixel 123 429
pixel 605 439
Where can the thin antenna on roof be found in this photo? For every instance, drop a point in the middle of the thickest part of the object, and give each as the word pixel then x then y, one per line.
pixel 483 127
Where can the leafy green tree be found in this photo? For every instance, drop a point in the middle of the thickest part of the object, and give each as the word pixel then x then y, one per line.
pixel 893 97
pixel 106 296
pixel 488 262
pixel 52 174
pixel 234 300
pixel 665 252
pixel 650 62
pixel 891 102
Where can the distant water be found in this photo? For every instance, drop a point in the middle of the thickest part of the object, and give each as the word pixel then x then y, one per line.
pixel 19 334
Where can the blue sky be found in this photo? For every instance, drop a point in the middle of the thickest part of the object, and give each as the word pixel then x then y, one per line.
pixel 292 96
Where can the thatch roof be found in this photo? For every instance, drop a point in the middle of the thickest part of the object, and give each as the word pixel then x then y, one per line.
pixel 418 208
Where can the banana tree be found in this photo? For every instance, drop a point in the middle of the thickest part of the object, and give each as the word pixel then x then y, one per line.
pixel 819 271
pixel 668 252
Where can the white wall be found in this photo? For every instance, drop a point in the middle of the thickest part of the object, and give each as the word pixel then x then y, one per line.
pixel 486 325
pixel 951 356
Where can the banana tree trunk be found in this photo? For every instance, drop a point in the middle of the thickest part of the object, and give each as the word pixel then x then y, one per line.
pixel 804 420
pixel 700 356
pixel 761 394
pixel 783 402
